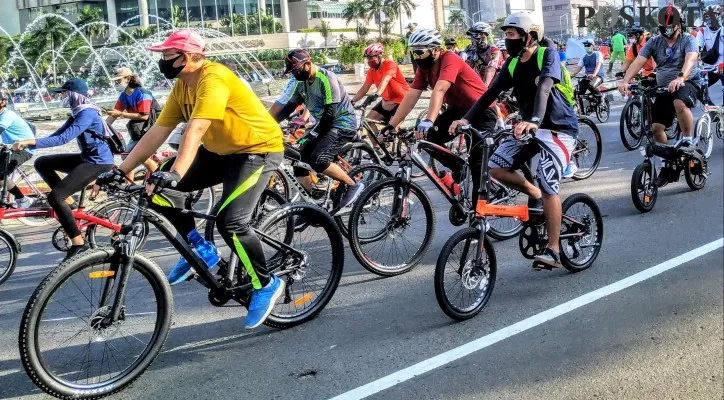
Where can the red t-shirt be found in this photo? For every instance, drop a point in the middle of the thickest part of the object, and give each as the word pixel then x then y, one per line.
pixel 466 86
pixel 396 88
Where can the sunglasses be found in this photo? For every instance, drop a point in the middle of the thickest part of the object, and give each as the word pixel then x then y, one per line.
pixel 420 53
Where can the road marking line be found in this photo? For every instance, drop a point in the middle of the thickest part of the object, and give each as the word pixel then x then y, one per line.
pixel 522 326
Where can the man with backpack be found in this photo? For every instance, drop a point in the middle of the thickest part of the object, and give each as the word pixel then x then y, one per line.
pixel 545 95
pixel 711 43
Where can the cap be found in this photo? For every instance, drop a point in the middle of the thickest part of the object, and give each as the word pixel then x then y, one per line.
pixel 450 41
pixel 122 73
pixel 295 58
pixel 185 40
pixel 74 85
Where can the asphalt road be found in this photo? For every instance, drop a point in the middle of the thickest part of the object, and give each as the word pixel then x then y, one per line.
pixel 659 338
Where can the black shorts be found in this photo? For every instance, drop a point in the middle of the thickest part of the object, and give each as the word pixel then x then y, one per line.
pixel 320 152
pixel 16 158
pixel 663 110
pixel 386 114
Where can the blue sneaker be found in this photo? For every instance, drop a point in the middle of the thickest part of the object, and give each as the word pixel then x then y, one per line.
pixel 262 302
pixel 180 272
pixel 570 170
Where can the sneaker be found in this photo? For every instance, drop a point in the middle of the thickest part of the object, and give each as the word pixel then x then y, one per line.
pixel 683 142
pixel 549 259
pixel 570 170
pixel 75 250
pixel 262 302
pixel 24 202
pixel 180 272
pixel 352 194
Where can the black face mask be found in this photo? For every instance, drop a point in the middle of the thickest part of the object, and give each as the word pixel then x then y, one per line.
pixel 301 75
pixel 427 62
pixel 515 46
pixel 167 69
pixel 667 31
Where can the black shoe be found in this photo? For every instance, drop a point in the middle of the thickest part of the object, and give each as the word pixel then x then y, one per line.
pixel 75 250
pixel 548 260
pixel 535 204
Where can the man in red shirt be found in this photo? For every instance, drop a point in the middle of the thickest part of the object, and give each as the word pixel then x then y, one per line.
pixel 454 84
pixel 389 81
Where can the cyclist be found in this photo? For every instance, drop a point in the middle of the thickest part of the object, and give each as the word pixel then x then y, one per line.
pixel 593 64
pixel 453 83
pixel 136 104
pixel 241 146
pixel 452 45
pixel 482 56
pixel 618 49
pixel 637 41
pixel 546 108
pixel 287 93
pixel 676 56
pixel 389 81
pixel 710 37
pixel 14 128
pixel 86 125
pixel 325 97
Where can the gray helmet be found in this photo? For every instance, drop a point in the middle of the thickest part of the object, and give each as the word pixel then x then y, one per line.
pixel 425 37
pixel 524 21
pixel 480 27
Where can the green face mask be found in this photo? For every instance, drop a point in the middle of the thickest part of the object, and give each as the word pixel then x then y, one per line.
pixel 589 50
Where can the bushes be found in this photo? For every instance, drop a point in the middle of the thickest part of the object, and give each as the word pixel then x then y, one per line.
pixel 352 51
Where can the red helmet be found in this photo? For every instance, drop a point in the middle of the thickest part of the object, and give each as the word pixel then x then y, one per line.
pixel 375 49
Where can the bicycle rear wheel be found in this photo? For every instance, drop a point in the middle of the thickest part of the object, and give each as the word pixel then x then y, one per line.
pixel 8 256
pixel 312 280
pixel 66 347
pixel 587 153
pixel 603 111
pixel 201 201
pixel 366 174
pixel 503 228
pixel 116 212
pixel 630 125
pixel 385 235
pixel 582 219
pixel 463 285
pixel 359 153
pixel 704 135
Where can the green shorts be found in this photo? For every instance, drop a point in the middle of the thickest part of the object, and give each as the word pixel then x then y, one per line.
pixel 617 55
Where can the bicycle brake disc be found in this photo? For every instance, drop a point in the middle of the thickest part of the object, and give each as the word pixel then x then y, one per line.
pixel 531 242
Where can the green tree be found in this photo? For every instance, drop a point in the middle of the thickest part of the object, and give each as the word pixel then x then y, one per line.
pixel 87 18
pixel 144 33
pixel 356 11
pixel 606 29
pixel 51 33
pixel 270 25
pixel 177 15
pixel 325 30
pixel 456 21
pixel 401 7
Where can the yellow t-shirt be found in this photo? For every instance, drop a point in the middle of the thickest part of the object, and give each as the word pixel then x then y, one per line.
pixel 239 121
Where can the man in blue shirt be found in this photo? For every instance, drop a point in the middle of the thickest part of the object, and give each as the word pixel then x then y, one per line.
pixel 14 128
pixel 593 64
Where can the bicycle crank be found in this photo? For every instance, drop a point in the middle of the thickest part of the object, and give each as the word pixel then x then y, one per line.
pixel 532 241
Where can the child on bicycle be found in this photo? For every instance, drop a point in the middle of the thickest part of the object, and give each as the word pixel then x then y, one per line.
pixel 12 129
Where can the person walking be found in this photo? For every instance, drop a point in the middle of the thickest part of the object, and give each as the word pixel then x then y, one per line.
pixel 618 50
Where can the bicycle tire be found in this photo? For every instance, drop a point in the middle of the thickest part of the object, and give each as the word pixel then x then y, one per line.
pixel 6 242
pixel 355 153
pixel 649 190
pixel 517 225
pixel 106 211
pixel 570 244
pixel 674 131
pixel 319 218
pixel 586 173
pixel 382 172
pixel 354 222
pixel 28 336
pixel 603 111
pixel 694 181
pixel 702 130
pixel 441 292
pixel 625 128
pixel 193 201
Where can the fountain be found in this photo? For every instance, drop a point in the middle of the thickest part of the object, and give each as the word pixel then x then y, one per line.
pixel 29 76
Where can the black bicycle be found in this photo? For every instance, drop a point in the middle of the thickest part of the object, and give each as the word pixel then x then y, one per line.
pixel 636 114
pixel 591 104
pixel 98 320
pixel 466 268
pixel 690 160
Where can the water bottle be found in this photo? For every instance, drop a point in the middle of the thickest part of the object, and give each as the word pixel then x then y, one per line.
pixel 449 182
pixel 205 250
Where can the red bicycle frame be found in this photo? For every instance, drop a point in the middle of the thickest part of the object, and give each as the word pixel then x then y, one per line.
pixel 84 219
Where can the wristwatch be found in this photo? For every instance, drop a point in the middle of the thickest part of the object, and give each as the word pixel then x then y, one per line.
pixel 535 120
pixel 680 75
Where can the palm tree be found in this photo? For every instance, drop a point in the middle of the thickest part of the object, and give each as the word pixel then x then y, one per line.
pixel 144 33
pixel 457 20
pixel 356 10
pixel 86 18
pixel 324 29
pixel 399 6
pixel 237 22
pixel 52 32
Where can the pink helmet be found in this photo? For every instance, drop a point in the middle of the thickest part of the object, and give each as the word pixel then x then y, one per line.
pixel 375 49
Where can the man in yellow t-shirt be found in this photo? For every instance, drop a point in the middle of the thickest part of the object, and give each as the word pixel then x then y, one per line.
pixel 241 146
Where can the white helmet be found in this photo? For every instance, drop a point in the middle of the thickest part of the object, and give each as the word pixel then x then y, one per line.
pixel 525 21
pixel 425 37
pixel 480 27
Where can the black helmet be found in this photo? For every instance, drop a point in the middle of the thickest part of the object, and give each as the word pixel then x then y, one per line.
pixel 635 29
pixel 669 18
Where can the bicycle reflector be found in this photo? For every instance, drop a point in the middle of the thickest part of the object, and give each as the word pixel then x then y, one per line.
pixel 303 299
pixel 101 274
pixel 492 210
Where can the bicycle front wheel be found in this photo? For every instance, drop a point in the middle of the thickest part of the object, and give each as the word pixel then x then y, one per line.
pixel 68 347
pixel 587 153
pixel 389 232
pixel 463 284
pixel 312 270
pixel 365 174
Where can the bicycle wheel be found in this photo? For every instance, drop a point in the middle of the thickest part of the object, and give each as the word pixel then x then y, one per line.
pixel 29 183
pixel 201 201
pixel 269 202
pixel 278 184
pixel 674 131
pixel 115 212
pixel 311 280
pixel 359 153
pixel 603 111
pixel 65 346
pixel 695 181
pixel 630 125
pixel 643 187
pixel 582 219
pixel 463 285
pixel 8 256
pixel 366 174
pixel 383 234
pixel 703 133
pixel 503 228
pixel 587 153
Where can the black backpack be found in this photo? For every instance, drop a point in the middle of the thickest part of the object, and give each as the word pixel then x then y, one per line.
pixel 710 56
pixel 114 139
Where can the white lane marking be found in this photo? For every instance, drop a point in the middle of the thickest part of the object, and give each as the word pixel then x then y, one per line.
pixel 207 342
pixel 522 326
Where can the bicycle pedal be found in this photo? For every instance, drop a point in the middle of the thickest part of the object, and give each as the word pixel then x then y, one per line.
pixel 539 266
